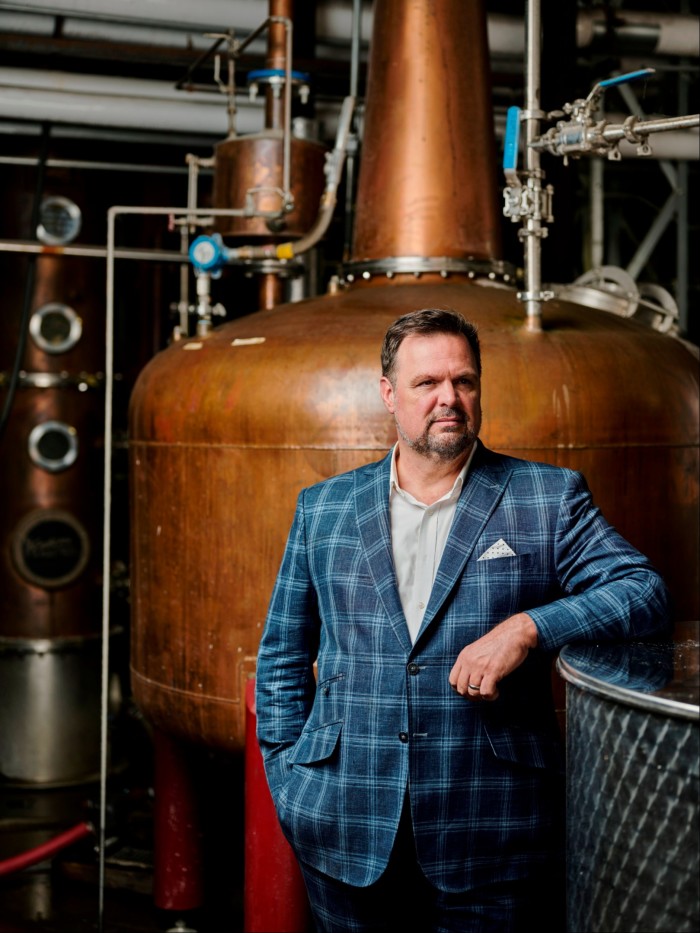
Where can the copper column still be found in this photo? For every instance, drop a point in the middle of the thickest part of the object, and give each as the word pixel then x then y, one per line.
pixel 51 508
pixel 225 431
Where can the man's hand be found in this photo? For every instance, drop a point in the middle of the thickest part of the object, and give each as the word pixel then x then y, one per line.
pixel 480 666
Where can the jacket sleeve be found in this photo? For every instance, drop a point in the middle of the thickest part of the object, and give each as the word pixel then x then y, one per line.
pixel 612 592
pixel 285 683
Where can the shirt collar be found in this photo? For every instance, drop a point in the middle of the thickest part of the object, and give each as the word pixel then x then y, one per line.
pixel 457 486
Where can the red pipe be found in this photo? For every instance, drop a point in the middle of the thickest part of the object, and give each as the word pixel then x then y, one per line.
pixel 46 850
pixel 178 878
pixel 274 896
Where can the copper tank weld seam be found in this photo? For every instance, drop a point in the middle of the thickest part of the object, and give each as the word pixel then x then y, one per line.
pixel 209 697
pixel 245 446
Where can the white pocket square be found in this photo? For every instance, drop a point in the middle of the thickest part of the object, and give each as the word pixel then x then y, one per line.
pixel 499 549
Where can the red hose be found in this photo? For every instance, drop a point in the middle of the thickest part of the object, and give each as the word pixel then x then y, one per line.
pixel 46 849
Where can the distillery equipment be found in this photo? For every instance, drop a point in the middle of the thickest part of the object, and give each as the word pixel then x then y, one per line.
pixel 225 431
pixel 227 426
pixel 633 746
pixel 51 505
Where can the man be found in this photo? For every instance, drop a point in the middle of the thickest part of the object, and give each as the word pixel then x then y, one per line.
pixel 418 776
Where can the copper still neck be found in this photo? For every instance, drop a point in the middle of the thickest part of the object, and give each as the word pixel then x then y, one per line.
pixel 427 182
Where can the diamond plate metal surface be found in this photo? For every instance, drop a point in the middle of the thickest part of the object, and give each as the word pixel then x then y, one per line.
pixel 633 837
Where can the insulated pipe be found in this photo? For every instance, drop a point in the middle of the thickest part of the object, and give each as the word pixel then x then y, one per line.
pixel 46 850
pixel 658 33
pixel 104 100
pixel 664 33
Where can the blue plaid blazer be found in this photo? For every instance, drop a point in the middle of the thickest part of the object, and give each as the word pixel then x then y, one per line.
pixel 342 746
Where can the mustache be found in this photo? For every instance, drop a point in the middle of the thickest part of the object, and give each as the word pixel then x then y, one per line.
pixel 448 413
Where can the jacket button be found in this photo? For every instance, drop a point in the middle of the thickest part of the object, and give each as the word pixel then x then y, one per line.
pixel 413 668
pixel 403 736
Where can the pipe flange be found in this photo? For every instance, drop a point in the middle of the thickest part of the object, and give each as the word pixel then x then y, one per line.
pixel 284 268
pixel 493 270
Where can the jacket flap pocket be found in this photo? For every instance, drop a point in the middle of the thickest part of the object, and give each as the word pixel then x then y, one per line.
pixel 532 749
pixel 316 744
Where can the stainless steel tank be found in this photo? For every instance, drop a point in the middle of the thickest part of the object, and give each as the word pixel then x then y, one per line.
pixel 633 756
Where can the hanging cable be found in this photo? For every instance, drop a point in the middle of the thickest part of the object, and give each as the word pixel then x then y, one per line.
pixel 46 850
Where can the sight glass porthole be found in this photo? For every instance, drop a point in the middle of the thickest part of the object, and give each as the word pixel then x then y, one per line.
pixel 55 328
pixel 59 221
pixel 53 446
pixel 50 548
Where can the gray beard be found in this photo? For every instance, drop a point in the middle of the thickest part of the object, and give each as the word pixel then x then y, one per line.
pixel 446 446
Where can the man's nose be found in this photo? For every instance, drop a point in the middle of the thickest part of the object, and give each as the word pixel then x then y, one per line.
pixel 447 395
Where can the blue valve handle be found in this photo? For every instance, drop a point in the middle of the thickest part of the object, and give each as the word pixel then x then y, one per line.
pixel 208 253
pixel 630 76
pixel 263 74
pixel 512 140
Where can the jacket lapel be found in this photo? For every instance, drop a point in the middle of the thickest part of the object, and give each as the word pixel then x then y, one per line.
pixel 372 509
pixel 485 485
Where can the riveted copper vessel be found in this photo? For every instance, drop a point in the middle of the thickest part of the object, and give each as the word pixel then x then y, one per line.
pixel 225 431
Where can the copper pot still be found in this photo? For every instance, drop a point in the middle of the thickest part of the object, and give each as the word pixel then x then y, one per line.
pixel 224 432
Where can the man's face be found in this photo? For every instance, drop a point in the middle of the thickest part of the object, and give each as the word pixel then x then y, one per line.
pixel 436 396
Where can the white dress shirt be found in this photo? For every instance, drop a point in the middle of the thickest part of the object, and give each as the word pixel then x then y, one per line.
pixel 418 537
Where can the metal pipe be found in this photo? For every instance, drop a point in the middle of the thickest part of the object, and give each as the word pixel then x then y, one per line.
pixel 95 252
pixel 287 138
pixel 105 100
pixel 653 235
pixel 597 195
pixel 661 33
pixel 112 214
pixel 682 252
pixel 352 140
pixel 670 33
pixel 86 165
pixel 532 232
pixel 106 558
pixel 578 138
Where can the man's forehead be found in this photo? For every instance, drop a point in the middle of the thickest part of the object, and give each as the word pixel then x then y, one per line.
pixel 420 348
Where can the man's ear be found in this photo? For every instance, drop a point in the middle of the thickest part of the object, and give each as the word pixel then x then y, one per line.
pixel 386 390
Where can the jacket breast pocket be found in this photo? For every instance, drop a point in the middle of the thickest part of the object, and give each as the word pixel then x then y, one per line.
pixel 316 745
pixel 505 585
pixel 515 564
